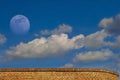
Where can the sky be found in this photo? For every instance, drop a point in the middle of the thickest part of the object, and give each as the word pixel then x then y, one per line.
pixel 62 33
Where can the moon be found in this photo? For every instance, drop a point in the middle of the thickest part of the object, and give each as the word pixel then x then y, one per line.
pixel 20 24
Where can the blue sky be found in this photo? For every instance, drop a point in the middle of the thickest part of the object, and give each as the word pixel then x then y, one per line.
pixel 74 33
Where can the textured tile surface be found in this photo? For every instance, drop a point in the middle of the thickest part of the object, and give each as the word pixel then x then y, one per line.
pixel 57 74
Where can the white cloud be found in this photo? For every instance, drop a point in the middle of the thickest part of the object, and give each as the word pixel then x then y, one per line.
pixel 2 39
pixel 68 65
pixel 45 32
pixel 111 25
pixel 44 47
pixel 95 40
pixel 93 56
pixel 61 29
pixel 116 44
pixel 105 22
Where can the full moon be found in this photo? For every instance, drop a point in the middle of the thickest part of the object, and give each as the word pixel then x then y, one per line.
pixel 20 24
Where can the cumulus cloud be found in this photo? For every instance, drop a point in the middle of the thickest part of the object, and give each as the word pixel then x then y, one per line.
pixel 61 29
pixel 2 39
pixel 111 25
pixel 114 45
pixel 43 47
pixel 68 65
pixel 95 40
pixel 93 56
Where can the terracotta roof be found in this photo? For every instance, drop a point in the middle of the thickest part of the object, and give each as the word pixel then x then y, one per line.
pixel 57 70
